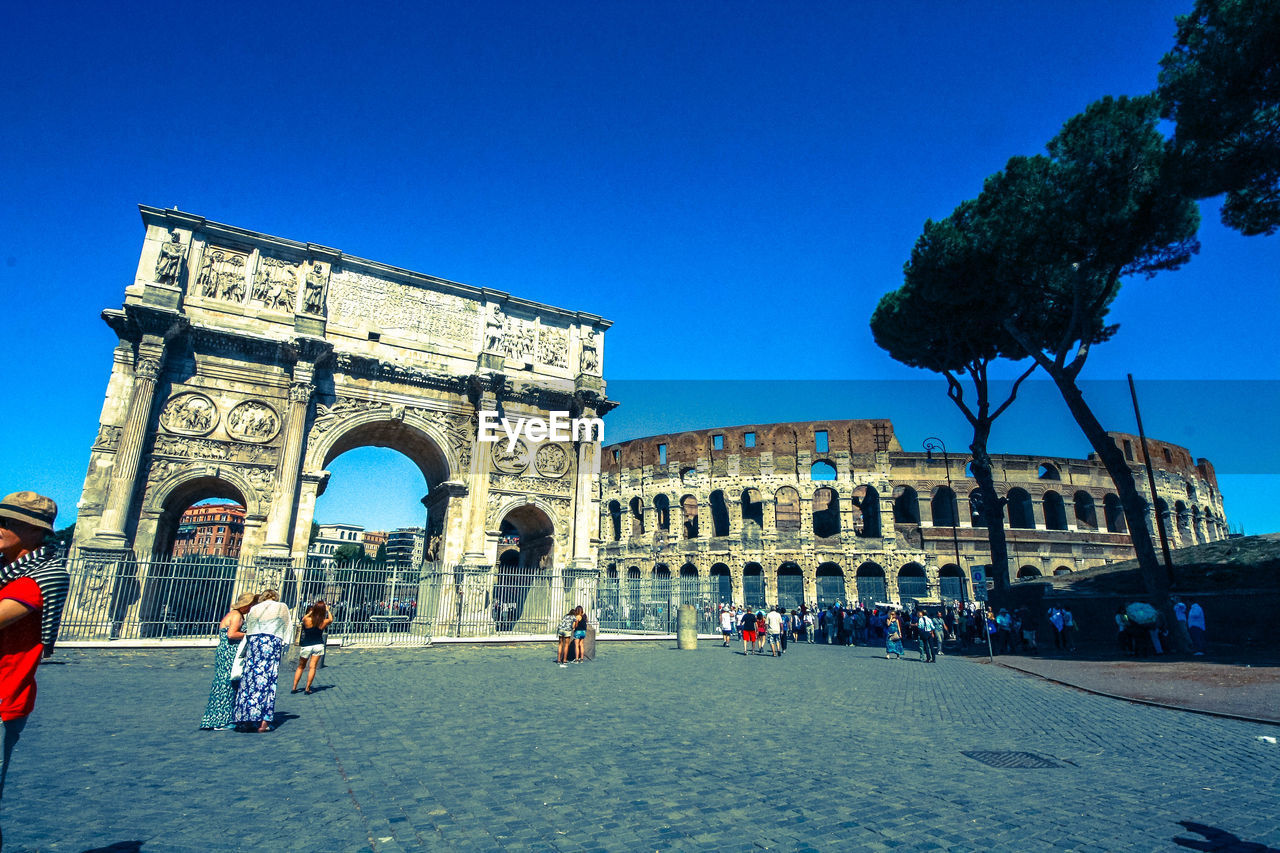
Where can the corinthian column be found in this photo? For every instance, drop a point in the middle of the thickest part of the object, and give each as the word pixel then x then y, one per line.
pixel 124 472
pixel 284 501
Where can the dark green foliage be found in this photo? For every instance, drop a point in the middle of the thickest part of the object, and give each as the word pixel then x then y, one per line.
pixel 1221 86
pixel 348 552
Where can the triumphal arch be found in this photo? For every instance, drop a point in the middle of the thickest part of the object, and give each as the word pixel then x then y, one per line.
pixel 246 363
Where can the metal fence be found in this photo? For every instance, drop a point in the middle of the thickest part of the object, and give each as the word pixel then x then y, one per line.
pixel 372 603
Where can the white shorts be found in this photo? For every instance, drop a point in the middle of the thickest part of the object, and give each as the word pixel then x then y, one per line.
pixel 307 651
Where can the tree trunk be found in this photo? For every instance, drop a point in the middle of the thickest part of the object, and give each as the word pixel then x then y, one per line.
pixel 1135 507
pixel 992 511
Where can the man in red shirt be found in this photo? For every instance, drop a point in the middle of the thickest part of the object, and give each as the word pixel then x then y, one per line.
pixel 33 587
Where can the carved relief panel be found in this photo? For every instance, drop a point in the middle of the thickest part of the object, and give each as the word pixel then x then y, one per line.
pixel 511 461
pixel 276 284
pixel 222 273
pixel 253 421
pixel 552 460
pixel 553 346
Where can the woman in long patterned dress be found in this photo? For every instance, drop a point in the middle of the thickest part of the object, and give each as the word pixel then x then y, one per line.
pixel 892 637
pixel 222 695
pixel 269 627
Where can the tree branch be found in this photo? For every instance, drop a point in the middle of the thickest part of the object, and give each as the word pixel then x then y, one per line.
pixel 956 392
pixel 1013 393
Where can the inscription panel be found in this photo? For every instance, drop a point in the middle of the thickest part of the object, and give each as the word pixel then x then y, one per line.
pixel 356 299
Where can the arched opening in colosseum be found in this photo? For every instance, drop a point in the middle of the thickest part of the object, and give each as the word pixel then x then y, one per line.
pixel 719 514
pixel 1021 514
pixel 829 584
pixel 866 519
pixel 615 520
pixel 951 582
pixel 752 510
pixel 912 583
pixel 721 583
pixel 1184 522
pixel 790 586
pixel 822 470
pixel 753 585
pixel 906 506
pixel 1048 471
pixel 637 516
pixel 688 570
pixel 870 580
pixel 1055 511
pixel 632 613
pixel 1211 531
pixel 787 510
pixel 1086 511
pixel 688 475
pixel 689 509
pixel 975 509
pixel 1061 570
pixel 662 512
pixel 660 598
pixel 826 513
pixel 1114 512
pixel 943 507
pixel 1028 572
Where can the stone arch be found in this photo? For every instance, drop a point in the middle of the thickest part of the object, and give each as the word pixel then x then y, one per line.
pixel 1028 571
pixel 829 584
pixel 721 583
pixel 944 508
pixel 615 520
pixel 787 510
pixel 689 516
pixel 826 512
pixel 976 518
pixel 719 513
pixel 752 509
pixel 866 522
pixel 906 505
pixel 662 511
pixel 1021 514
pixel 753 585
pixel 637 515
pixel 1055 511
pixel 790 585
pixel 912 582
pixel 418 438
pixel 822 470
pixel 1114 513
pixel 533 523
pixel 1086 511
pixel 951 583
pixel 1048 471
pixel 688 570
pixel 168 499
pixel 1062 570
pixel 870 580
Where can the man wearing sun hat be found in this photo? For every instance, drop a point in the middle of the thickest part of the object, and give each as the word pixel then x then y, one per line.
pixel 33 588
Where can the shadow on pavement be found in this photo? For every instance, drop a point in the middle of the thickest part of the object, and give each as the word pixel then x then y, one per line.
pixel 118 847
pixel 1218 840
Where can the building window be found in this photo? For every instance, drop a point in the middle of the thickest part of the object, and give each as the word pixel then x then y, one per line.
pixel 717 442
pixel 662 454
pixel 820 441
pixel 748 439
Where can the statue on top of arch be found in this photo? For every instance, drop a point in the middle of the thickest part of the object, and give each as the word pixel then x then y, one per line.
pixel 169 264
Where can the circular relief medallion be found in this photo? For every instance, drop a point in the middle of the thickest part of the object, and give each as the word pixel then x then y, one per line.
pixel 253 420
pixel 189 414
pixel 511 461
pixel 552 460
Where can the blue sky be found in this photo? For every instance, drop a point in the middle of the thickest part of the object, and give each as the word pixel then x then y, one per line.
pixel 734 184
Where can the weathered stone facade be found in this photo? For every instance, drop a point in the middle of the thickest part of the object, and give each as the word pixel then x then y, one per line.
pixel 246 363
pixel 746 507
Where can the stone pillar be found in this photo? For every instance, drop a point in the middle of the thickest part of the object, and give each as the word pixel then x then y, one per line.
pixel 485 400
pixel 806 517
pixel 584 508
pixel 769 510
pixel 124 473
pixel 283 503
pixel 735 516
pixel 687 627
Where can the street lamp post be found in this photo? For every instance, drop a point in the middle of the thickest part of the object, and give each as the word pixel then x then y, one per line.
pixel 931 444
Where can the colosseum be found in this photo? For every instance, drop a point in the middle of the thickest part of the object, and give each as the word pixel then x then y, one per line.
pixel 829 511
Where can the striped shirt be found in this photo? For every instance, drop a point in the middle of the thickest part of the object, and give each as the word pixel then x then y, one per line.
pixel 46 568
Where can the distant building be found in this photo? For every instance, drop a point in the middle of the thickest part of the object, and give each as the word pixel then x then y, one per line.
pixel 331 537
pixel 210 530
pixel 372 539
pixel 406 546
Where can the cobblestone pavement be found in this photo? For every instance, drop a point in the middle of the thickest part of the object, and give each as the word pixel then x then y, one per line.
pixel 646 748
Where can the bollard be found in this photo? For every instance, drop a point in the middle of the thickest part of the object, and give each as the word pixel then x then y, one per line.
pixel 687 627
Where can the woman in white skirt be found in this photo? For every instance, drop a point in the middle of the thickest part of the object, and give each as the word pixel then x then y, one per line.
pixel 269 626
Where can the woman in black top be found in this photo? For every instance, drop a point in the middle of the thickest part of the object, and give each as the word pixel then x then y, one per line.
pixel 311 645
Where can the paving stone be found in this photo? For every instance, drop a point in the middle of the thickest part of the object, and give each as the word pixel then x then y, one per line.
pixel 647 748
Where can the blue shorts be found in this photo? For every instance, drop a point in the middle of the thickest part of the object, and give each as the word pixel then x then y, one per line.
pixel 579 635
